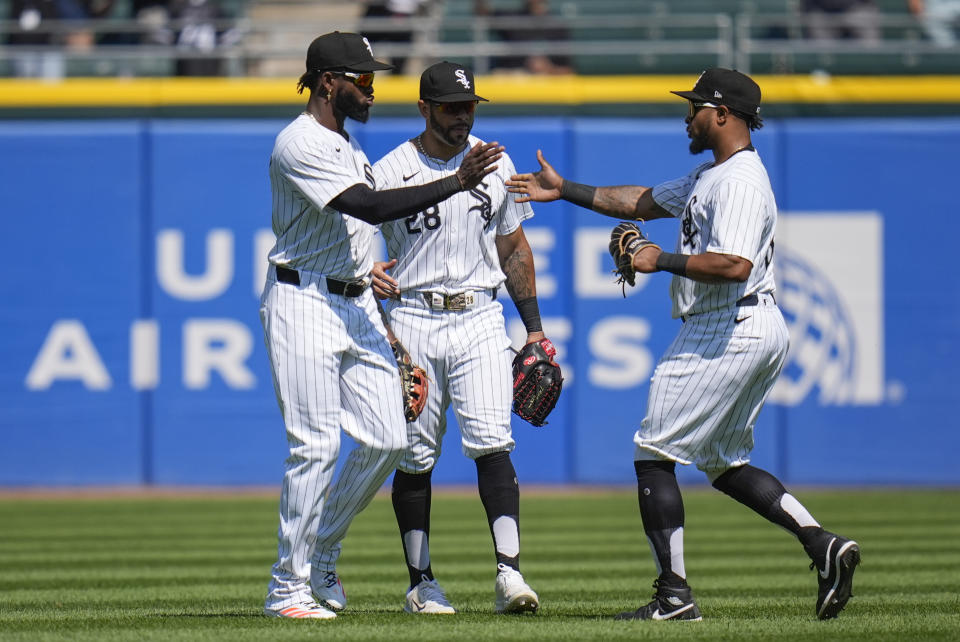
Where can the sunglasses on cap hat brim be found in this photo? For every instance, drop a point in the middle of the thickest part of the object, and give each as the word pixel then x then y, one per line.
pixel 694 106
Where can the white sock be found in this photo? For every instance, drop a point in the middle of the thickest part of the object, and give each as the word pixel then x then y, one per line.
pixel 506 536
pixel 418 552
pixel 795 509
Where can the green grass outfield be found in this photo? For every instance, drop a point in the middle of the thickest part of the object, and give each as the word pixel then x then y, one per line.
pixel 195 567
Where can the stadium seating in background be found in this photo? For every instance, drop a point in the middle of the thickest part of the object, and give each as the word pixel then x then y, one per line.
pixel 177 34
pixel 768 36
pixel 602 37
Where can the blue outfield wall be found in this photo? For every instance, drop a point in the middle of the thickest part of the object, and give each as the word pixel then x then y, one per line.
pixel 131 350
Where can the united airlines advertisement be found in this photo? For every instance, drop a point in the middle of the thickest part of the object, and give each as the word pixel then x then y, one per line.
pixel 135 253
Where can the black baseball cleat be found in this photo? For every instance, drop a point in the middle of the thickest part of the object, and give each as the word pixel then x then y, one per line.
pixel 669 603
pixel 835 559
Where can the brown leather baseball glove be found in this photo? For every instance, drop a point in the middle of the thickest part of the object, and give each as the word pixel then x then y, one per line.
pixel 414 384
pixel 626 240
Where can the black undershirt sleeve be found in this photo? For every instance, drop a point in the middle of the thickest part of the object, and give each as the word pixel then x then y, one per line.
pixel 359 201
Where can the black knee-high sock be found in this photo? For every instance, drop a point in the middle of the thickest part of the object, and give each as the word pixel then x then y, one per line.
pixel 759 490
pixel 661 508
pixel 411 505
pixel 500 494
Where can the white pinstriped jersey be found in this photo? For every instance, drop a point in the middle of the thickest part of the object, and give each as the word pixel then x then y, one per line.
pixel 727 209
pixel 329 357
pixel 310 166
pixel 449 247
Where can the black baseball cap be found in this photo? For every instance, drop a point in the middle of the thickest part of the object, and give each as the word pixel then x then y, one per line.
pixel 342 52
pixel 447 82
pixel 725 87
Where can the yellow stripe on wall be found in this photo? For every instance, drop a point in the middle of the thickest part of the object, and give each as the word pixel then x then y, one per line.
pixel 518 90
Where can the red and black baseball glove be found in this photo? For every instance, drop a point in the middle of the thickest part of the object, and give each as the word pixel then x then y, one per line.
pixel 537 381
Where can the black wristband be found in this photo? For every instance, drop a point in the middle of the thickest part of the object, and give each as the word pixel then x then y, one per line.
pixel 529 311
pixel 577 193
pixel 673 263
pixel 450 185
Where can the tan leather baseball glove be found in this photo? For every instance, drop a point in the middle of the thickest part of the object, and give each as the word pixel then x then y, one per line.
pixel 414 384
pixel 626 240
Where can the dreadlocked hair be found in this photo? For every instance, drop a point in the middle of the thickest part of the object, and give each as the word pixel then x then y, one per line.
pixel 754 122
pixel 308 80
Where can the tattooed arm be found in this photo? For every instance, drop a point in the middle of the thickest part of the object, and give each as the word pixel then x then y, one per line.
pixel 516 261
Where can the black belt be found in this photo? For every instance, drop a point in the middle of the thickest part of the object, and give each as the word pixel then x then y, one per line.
pixel 334 286
pixel 746 302
pixel 751 300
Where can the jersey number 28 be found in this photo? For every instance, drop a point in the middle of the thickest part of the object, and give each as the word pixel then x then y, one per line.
pixel 431 220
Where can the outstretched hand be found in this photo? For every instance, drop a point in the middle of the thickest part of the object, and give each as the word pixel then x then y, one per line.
pixel 543 186
pixel 478 162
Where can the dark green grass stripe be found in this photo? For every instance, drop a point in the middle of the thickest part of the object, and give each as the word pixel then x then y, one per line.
pixel 197 569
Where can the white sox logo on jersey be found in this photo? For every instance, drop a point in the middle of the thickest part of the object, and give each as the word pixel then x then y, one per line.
pixel 689 231
pixel 431 215
pixel 368 174
pixel 462 78
pixel 484 207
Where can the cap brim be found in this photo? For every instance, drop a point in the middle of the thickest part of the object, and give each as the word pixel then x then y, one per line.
pixel 457 98
pixel 369 65
pixel 689 95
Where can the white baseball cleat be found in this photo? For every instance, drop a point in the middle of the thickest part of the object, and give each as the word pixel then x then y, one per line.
pixel 307 610
pixel 513 594
pixel 327 589
pixel 428 597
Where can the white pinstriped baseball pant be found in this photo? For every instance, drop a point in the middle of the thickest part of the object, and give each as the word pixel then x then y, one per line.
pixel 709 386
pixel 466 354
pixel 467 357
pixel 332 367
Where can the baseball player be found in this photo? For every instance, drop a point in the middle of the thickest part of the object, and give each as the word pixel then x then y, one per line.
pixel 327 345
pixel 708 388
pixel 448 261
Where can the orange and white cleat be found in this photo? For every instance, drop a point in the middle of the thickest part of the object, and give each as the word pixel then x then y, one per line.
pixel 309 610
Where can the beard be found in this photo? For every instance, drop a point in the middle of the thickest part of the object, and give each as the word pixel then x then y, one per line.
pixel 698 145
pixel 352 107
pixel 451 136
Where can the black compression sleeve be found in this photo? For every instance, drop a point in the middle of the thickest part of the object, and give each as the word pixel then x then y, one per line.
pixel 529 311
pixel 578 193
pixel 674 263
pixel 359 201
